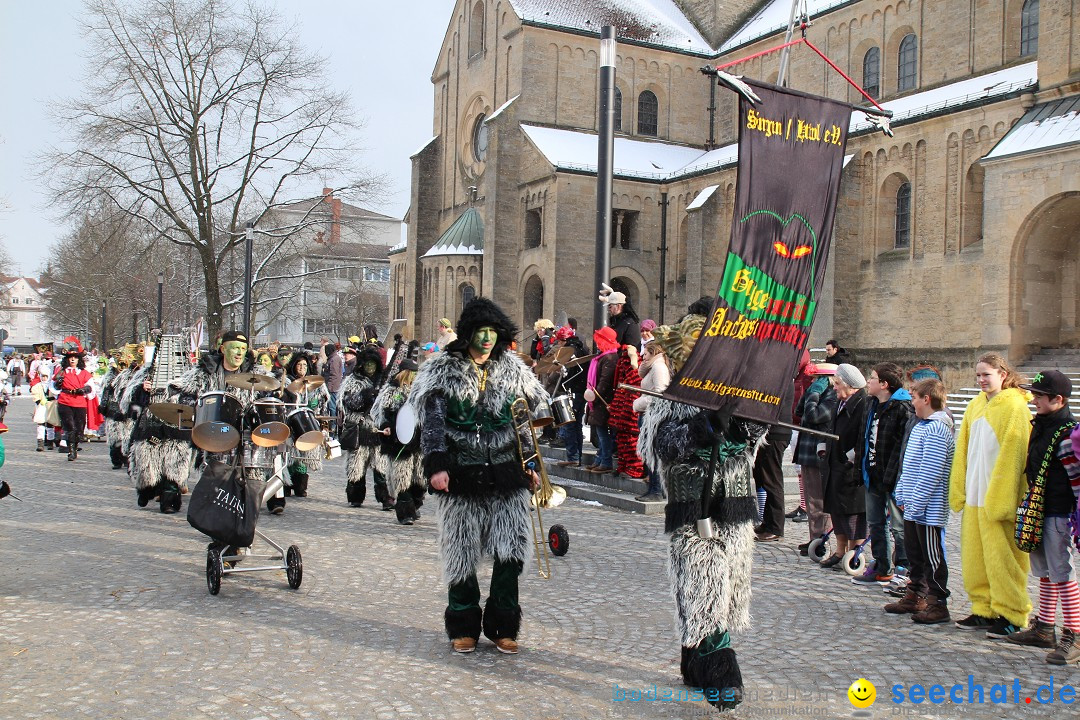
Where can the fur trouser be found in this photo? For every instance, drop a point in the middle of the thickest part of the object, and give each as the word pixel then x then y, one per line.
pixel 150 464
pixel 995 571
pixel 356 466
pixel 126 428
pixel 710 580
pixel 471 528
pixel 403 473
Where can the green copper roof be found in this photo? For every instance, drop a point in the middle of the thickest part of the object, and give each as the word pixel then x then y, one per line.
pixel 464 237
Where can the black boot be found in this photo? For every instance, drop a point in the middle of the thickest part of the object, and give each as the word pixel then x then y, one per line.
pixel 300 481
pixel 354 493
pixel 145 495
pixel 287 489
pixel 169 501
pixel 715 671
pixel 116 456
pixel 406 510
pixel 276 505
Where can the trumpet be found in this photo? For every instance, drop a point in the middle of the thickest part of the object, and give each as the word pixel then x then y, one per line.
pixel 547 495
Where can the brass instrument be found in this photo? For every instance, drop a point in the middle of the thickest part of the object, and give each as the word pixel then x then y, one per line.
pixel 547 495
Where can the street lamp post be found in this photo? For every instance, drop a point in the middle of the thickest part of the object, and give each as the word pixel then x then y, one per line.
pixel 104 341
pixel 160 293
pixel 604 168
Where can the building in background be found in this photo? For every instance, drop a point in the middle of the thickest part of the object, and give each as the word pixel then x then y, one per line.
pixel 22 313
pixel 334 278
pixel 968 215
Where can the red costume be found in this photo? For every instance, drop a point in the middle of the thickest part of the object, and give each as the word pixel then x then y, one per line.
pixel 624 419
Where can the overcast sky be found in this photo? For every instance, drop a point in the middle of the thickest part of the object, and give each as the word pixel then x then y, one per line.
pixel 381 52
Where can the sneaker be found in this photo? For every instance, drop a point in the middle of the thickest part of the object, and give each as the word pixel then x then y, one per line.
pixel 767 537
pixel 1001 629
pixel 911 603
pixel 870 577
pixel 601 469
pixel 1040 634
pixel 1067 651
pixel 795 513
pixel 506 645
pixel 804 549
pixel 897 586
pixel 800 516
pixel 975 622
pixel 568 463
pixel 650 497
pixel 934 614
pixel 463 645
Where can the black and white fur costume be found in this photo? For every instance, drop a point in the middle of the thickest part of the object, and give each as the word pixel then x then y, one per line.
pixel 402 465
pixel 159 456
pixel 485 510
pixel 117 425
pixel 357 400
pixel 710 578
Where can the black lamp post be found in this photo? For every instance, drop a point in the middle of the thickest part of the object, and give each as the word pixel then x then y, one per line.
pixel 160 293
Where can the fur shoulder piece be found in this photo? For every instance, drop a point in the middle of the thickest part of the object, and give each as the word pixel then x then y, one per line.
pixel 452 375
pixel 135 382
pixel 649 427
pixel 388 401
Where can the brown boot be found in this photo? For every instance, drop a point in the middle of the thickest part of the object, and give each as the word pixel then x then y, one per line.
pixel 912 602
pixel 935 613
pixel 1067 651
pixel 1040 634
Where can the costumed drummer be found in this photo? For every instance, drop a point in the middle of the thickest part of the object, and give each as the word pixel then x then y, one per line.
pixel 474 467
pixel 710 576
pixel 400 462
pixel 315 398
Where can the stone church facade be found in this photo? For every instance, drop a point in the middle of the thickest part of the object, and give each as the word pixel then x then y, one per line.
pixel 958 234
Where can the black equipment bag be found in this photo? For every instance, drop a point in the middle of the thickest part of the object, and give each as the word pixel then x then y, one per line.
pixel 349 438
pixel 224 505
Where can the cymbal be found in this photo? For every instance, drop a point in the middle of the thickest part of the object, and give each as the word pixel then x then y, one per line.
pixel 307 382
pixel 579 361
pixel 327 418
pixel 175 414
pixel 252 381
pixel 525 358
pixel 544 368
pixel 557 355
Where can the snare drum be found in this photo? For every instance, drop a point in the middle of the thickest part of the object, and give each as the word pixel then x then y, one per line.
pixel 266 418
pixel 306 431
pixel 563 409
pixel 218 420
pixel 260 457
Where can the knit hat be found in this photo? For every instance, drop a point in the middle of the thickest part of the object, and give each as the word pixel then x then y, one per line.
pixel 605 339
pixel 850 376
pixel 647 325
pixel 445 322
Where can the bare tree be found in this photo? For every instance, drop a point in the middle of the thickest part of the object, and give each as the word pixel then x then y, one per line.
pixel 201 115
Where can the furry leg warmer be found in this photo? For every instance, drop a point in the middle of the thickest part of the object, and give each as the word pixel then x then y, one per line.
pixel 499 623
pixel 463 623
pixel 715 671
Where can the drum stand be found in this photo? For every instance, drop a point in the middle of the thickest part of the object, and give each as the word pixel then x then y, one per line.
pixel 288 559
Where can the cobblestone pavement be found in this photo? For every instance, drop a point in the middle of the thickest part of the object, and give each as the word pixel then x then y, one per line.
pixel 104 613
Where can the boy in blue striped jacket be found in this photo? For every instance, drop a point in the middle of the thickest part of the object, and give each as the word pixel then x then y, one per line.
pixel 922 492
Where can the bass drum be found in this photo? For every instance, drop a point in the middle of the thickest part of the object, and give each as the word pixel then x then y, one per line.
pixel 405 424
pixel 306 431
pixel 267 422
pixel 218 420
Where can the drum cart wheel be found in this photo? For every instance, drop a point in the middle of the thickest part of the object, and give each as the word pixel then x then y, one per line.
pixel 294 567
pixel 214 570
pixel 558 540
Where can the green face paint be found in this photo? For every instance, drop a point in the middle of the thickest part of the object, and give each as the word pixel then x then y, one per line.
pixel 234 352
pixel 483 340
pixel 267 362
pixel 369 368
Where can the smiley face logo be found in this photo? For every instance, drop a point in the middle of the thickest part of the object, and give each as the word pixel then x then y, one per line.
pixel 862 693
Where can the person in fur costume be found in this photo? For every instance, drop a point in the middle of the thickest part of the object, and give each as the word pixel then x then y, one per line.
pixel 473 465
pixel 357 399
pixel 710 576
pixel 987 483
pixel 317 399
pixel 159 455
pixel 120 424
pixel 399 463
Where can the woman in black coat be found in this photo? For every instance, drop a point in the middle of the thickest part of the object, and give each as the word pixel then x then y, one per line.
pixel 845 496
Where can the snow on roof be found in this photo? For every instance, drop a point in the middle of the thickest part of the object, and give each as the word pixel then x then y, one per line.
pixel 424 147
pixel 501 108
pixel 715 158
pixel 962 92
pixel 655 22
pixel 400 247
pixel 575 150
pixel 773 18
pixel 464 237
pixel 702 198
pixel 1044 126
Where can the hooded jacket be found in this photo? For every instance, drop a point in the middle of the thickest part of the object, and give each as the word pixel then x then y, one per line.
pixel 881 472
pixel 922 489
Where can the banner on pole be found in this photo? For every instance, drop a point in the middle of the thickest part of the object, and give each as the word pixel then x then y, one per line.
pixel 791 154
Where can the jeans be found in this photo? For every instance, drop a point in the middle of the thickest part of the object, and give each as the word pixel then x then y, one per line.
pixel 332 406
pixel 571 435
pixel 881 544
pixel 605 438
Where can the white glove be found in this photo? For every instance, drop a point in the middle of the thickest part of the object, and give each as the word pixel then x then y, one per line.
pixel 851 455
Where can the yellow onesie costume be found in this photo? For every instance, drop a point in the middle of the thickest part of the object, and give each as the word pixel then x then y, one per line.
pixel 988 483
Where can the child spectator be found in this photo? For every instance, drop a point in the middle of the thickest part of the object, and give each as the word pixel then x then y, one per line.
pixel 922 492
pixel 1052 462
pixel 878 458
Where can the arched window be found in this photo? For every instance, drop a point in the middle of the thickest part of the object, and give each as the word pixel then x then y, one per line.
pixel 907 63
pixel 871 72
pixel 468 292
pixel 648 110
pixel 476 29
pixel 1029 28
pixel 618 110
pixel 903 217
